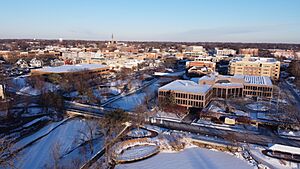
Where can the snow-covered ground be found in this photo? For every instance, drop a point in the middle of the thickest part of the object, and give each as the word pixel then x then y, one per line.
pixel 236 127
pixel 25 141
pixel 130 102
pixel 139 133
pixel 32 111
pixel 137 152
pixel 169 74
pixel 29 90
pixel 256 153
pixel 190 158
pixel 289 134
pixel 167 115
pixel 65 138
pixel 258 106
pixel 19 82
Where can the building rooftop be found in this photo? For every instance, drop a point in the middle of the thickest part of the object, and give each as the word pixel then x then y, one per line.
pixel 259 80
pixel 228 85
pixel 254 59
pixel 284 148
pixel 71 68
pixel 186 86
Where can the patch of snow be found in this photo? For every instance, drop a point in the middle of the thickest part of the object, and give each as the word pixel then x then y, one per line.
pixel 258 106
pixel 169 74
pixel 36 121
pixel 139 133
pixel 190 158
pixel 256 153
pixel 137 152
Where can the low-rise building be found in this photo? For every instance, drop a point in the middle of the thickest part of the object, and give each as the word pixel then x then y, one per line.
pixel 224 52
pixel 35 63
pixel 65 69
pixel 195 49
pixel 249 51
pixel 191 94
pixel 239 86
pixel 199 67
pixel 21 63
pixel 203 58
pixel 290 54
pixel 186 93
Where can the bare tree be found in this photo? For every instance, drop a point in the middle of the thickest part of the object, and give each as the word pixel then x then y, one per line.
pixel 148 97
pixel 56 155
pixel 89 134
pixel 52 100
pixel 7 156
pixel 140 115
pixel 111 124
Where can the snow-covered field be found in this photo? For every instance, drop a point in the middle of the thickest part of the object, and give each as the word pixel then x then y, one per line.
pixel 190 158
pixel 25 141
pixel 64 138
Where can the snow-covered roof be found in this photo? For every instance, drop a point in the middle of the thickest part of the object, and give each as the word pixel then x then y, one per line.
pixel 71 68
pixel 259 80
pixel 255 59
pixel 210 77
pixel 284 148
pixel 186 86
pixel 228 85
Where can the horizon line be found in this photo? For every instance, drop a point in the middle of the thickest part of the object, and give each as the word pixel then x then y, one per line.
pixel 161 41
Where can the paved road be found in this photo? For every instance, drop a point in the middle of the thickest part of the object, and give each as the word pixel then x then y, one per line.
pixel 264 138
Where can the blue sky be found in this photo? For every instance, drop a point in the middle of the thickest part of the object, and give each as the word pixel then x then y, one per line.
pixel 161 20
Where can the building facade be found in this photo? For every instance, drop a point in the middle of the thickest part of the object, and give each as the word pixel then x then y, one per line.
pixel 225 52
pixel 207 64
pixel 255 66
pixel 249 51
pixel 186 93
pixel 239 86
pixel 190 94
